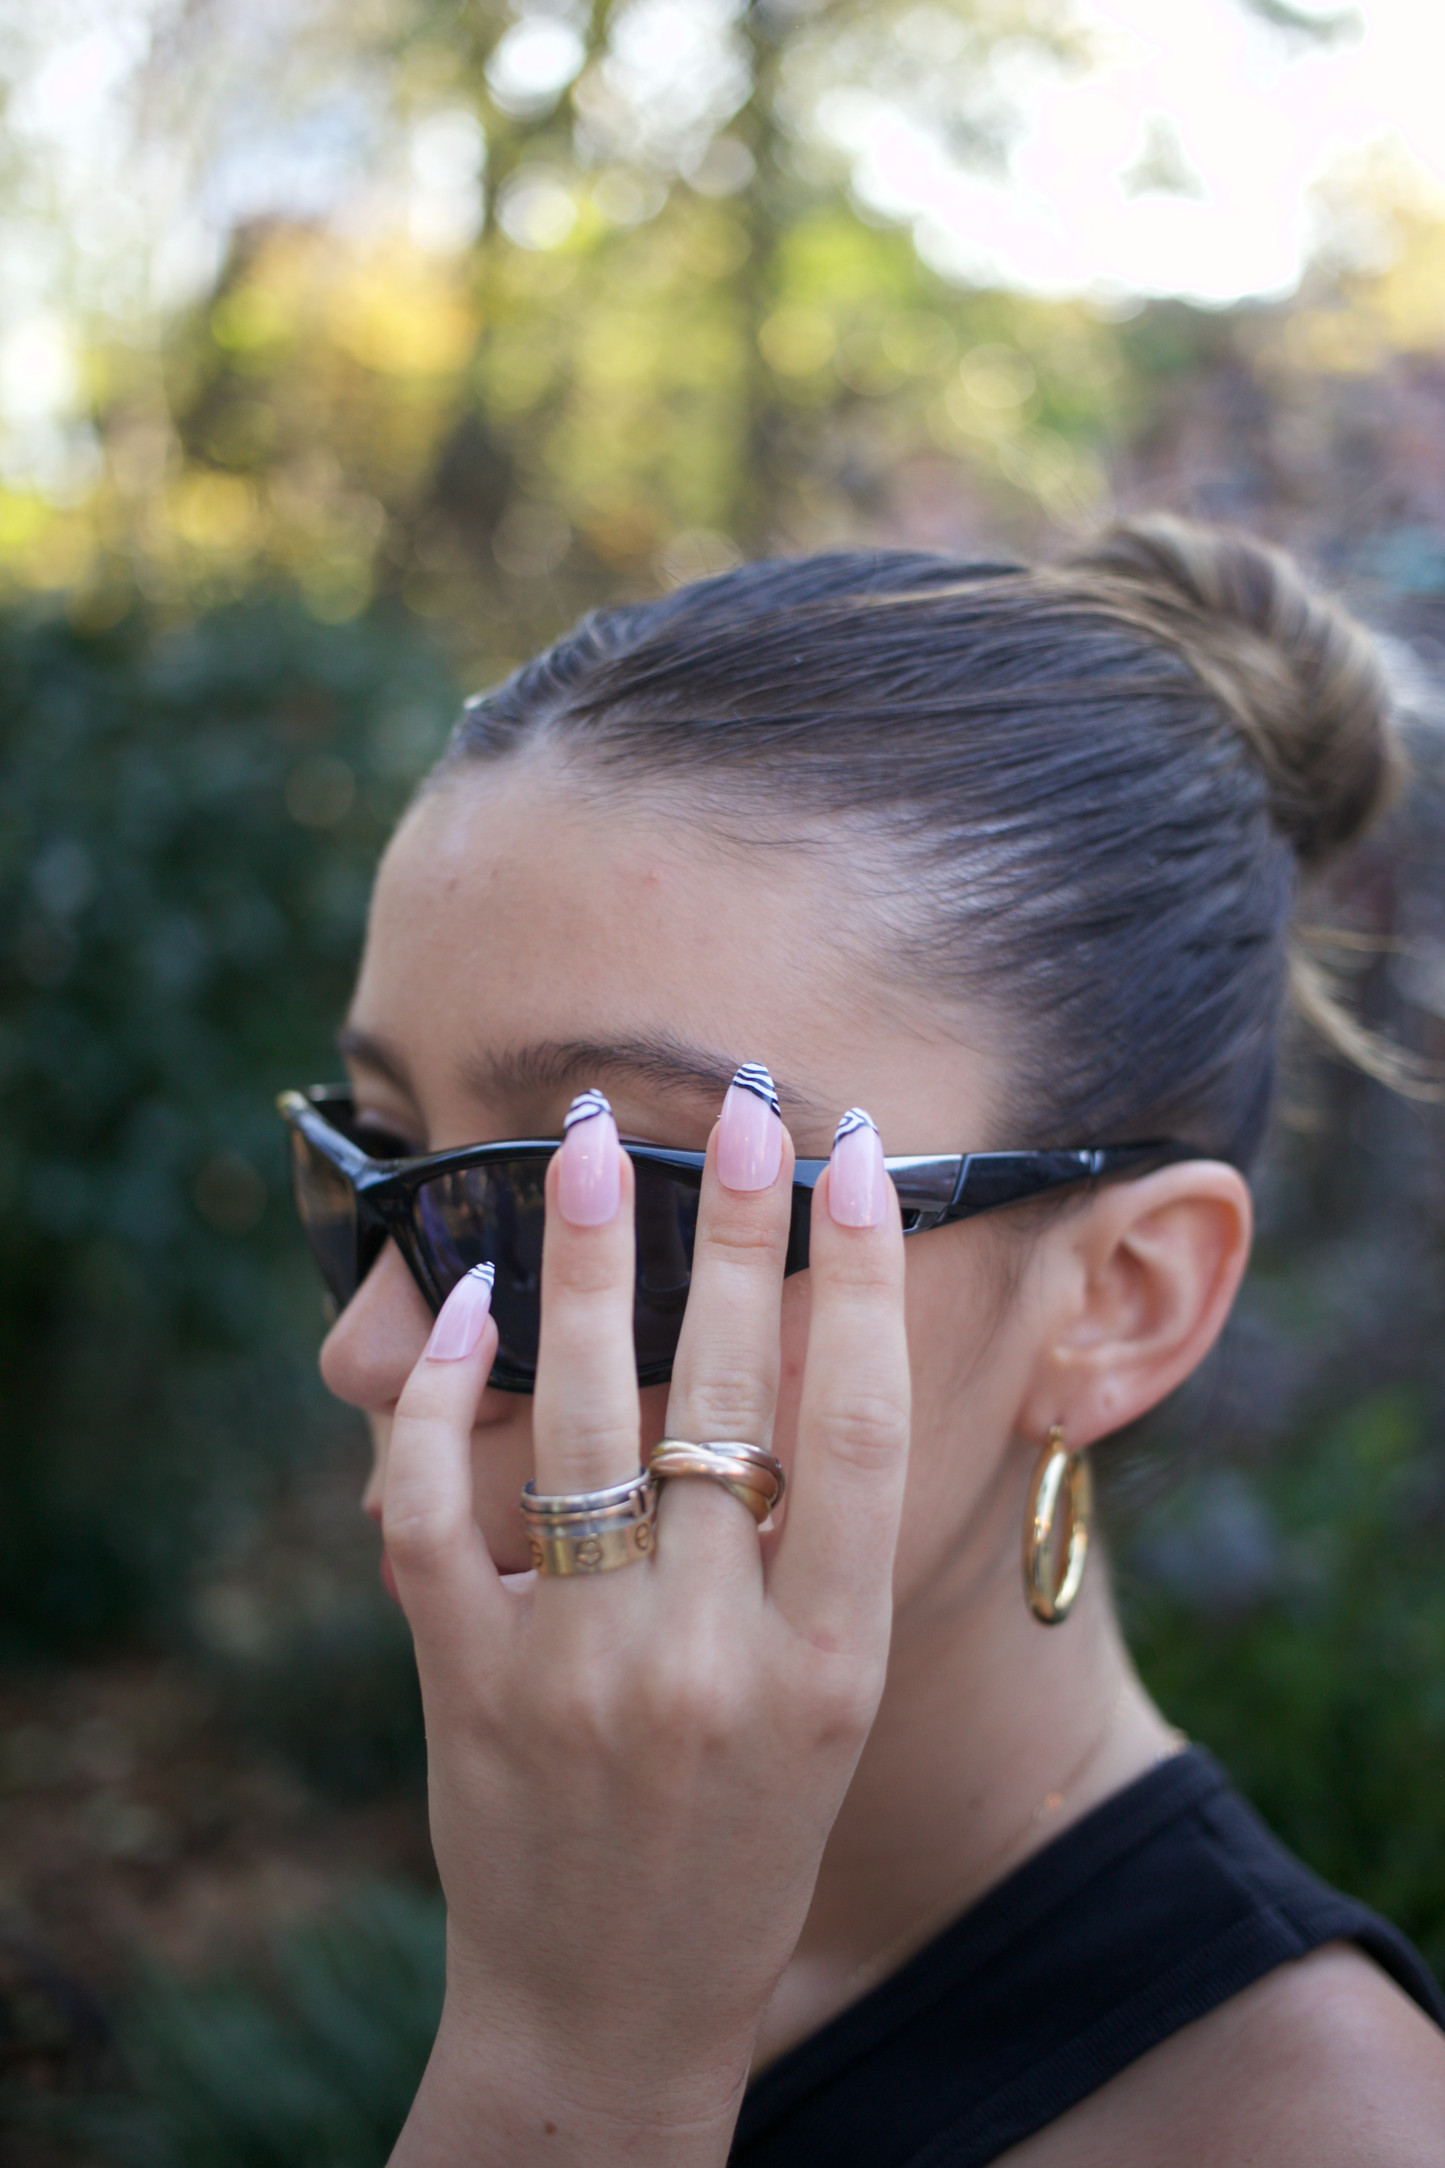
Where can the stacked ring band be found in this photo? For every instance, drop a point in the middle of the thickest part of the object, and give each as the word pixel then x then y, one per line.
pixel 753 1475
pixel 591 1531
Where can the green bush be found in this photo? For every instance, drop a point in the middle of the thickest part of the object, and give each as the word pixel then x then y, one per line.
pixel 312 2056
pixel 1293 1621
pixel 188 827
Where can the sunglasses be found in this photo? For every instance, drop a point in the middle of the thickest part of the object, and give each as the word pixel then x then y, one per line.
pixel 449 1211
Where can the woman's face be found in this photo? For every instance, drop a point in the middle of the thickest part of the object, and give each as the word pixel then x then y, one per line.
pixel 524 944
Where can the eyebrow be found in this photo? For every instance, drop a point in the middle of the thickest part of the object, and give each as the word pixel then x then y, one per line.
pixel 657 1059
pixel 366 1051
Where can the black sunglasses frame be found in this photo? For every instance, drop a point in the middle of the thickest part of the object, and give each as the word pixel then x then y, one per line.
pixel 933 1190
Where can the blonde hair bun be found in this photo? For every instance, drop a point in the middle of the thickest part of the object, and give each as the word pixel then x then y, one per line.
pixel 1297 675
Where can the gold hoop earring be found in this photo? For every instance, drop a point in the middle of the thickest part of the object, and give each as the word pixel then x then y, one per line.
pixel 1056 1529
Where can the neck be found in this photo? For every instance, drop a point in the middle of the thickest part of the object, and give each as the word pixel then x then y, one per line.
pixel 994 1733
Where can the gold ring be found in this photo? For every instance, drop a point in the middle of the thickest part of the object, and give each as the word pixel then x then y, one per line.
pixel 598 1549
pixel 592 1531
pixel 754 1476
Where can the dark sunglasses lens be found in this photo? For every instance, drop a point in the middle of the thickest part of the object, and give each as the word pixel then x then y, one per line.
pixel 666 1230
pixel 326 1203
pixel 496 1214
pixel 490 1214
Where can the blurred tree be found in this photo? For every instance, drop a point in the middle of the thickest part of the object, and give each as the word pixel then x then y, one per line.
pixel 187 829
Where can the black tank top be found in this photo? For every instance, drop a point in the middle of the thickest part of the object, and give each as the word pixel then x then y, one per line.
pixel 1159 1905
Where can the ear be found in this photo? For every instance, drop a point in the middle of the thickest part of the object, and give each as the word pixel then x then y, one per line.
pixel 1136 1289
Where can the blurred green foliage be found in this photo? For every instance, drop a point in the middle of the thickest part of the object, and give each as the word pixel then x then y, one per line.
pixel 313 2057
pixel 1294 1622
pixel 363 472
pixel 188 826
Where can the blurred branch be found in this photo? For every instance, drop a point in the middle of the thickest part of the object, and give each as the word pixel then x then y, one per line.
pixel 1304 23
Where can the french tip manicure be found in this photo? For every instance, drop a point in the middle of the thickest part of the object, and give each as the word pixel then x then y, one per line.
pixel 857 1180
pixel 752 1077
pixel 750 1131
pixel 584 1108
pixel 462 1316
pixel 589 1179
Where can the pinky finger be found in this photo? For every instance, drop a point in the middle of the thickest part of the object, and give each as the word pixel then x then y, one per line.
pixel 449 1588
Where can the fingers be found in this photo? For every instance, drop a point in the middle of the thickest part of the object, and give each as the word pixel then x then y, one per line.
pixel 725 1377
pixel 585 1412
pixel 833 1573
pixel 444 1573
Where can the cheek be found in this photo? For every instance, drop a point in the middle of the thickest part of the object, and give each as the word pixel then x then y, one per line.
pixel 969 1365
pixel 380 1429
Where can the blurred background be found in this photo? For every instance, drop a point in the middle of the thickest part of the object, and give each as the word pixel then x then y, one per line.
pixel 346 354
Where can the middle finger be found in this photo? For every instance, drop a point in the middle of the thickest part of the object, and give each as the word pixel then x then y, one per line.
pixel 585 1411
pixel 725 1378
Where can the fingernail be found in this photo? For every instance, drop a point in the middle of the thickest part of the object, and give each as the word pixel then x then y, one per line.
pixel 856 1181
pixel 461 1317
pixel 589 1180
pixel 750 1133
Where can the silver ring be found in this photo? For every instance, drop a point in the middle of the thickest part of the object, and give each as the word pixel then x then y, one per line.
pixel 636 1499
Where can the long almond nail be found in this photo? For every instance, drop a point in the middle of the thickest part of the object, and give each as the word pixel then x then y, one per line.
pixel 750 1133
pixel 589 1180
pixel 857 1184
pixel 459 1323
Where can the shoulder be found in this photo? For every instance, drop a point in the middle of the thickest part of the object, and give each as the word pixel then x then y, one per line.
pixel 1323 2062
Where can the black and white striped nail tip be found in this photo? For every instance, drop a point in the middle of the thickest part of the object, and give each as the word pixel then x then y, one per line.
pixel 486 1272
pixel 585 1108
pixel 753 1077
pixel 855 1118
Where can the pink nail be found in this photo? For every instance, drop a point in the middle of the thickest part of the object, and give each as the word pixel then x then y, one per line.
pixel 459 1323
pixel 750 1134
pixel 589 1181
pixel 857 1184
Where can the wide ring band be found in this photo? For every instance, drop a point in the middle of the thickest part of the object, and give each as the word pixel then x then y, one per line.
pixel 598 1549
pixel 596 1531
pixel 754 1476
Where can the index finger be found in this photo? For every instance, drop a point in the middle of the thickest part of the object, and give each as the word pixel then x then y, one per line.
pixel 445 1577
pixel 832 1577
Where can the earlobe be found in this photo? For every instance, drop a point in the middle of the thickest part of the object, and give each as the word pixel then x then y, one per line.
pixel 1145 1279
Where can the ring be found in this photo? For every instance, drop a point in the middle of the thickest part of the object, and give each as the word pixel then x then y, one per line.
pixel 591 1549
pixel 570 1532
pixel 753 1475
pixel 633 1499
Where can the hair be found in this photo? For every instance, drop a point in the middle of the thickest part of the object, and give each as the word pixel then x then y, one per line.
pixel 1094 786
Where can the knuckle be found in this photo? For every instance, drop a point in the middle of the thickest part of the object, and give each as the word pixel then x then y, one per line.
pixel 735 1236
pixel 417 1533
pixel 593 1439
pixel 588 1272
pixel 867 1430
pixel 691 1699
pixel 845 1684
pixel 846 1709
pixel 724 1405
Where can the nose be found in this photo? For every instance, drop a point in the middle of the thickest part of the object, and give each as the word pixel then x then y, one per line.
pixel 373 1347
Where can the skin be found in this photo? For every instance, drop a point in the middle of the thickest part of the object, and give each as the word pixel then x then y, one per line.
pixel 604 1753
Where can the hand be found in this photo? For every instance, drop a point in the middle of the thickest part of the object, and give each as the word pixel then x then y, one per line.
pixel 633 1774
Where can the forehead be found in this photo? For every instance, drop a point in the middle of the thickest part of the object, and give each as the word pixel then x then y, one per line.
pixel 537 904
pixel 518 908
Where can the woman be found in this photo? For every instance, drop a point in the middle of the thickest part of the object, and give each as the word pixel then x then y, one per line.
pixel 1007 858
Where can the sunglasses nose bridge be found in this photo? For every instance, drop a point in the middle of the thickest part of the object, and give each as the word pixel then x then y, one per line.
pixel 385 1214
